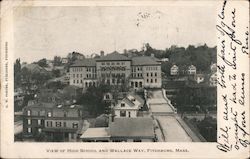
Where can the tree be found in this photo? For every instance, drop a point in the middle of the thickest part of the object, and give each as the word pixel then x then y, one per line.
pixel 56 73
pixel 17 73
pixel 93 99
pixel 57 61
pixel 42 63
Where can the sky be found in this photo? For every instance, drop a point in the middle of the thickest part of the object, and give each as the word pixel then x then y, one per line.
pixel 45 32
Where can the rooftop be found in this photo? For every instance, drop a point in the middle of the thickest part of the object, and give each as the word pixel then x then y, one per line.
pixel 94 133
pixel 34 68
pixel 85 62
pixel 132 127
pixel 115 56
pixel 145 60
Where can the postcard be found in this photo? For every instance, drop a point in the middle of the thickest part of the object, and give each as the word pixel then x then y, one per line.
pixel 124 79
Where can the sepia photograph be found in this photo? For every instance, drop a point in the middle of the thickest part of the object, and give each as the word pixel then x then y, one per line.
pixel 124 79
pixel 115 74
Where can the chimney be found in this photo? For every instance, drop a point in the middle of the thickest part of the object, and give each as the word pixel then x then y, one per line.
pixel 130 55
pixel 152 55
pixel 102 53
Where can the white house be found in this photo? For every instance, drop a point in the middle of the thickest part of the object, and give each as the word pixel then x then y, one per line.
pixel 199 78
pixel 213 80
pixel 174 70
pixel 64 60
pixel 191 70
pixel 128 106
pixel 213 67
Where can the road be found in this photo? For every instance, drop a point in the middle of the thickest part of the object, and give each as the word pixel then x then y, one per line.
pixel 171 128
pixel 158 104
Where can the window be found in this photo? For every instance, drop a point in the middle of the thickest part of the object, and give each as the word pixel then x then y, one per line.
pixel 64 124
pixel 29 122
pixel 103 63
pixel 75 125
pixel 122 113
pixel 107 96
pixel 73 75
pixel 49 114
pixel 155 80
pixel 155 74
pixel 140 83
pixel 129 114
pixel 58 124
pixel 151 74
pixel 49 123
pixel 122 104
pixel 29 130
pixel 39 122
pixel 76 75
pixel 118 63
pixel 136 84
pixel 113 80
pixel 77 81
pixel 147 74
pixel 28 112
pixel 108 81
pixel 132 84
pixel 151 80
pixel 81 75
pixel 74 81
pixel 107 63
pixel 147 80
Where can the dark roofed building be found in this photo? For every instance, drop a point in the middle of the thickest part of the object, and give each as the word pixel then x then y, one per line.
pixel 144 61
pixel 132 130
pixel 84 62
pixel 55 122
pixel 115 56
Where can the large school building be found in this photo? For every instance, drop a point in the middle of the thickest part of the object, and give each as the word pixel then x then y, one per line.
pixel 116 69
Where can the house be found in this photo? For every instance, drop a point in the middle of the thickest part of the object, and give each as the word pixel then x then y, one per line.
pixel 213 80
pixel 213 67
pixel 174 70
pixel 18 99
pixel 55 122
pixel 164 60
pixel 75 55
pixel 128 106
pixel 100 134
pixel 199 78
pixel 35 68
pixel 132 130
pixel 64 60
pixel 122 130
pixel 63 122
pixel 49 96
pixel 191 70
